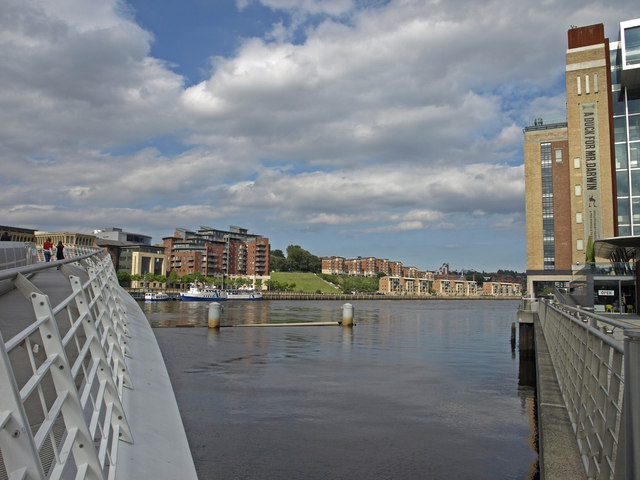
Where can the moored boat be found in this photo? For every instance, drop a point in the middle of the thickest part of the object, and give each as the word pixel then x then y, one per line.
pixel 203 294
pixel 244 295
pixel 156 297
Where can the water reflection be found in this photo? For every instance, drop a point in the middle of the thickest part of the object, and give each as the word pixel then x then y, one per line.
pixel 415 390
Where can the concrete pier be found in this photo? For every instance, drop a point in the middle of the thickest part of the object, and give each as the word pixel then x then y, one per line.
pixel 559 456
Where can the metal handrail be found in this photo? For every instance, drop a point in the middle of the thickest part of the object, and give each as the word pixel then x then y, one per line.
pixel 11 273
pixel 589 366
pixel 62 377
pixel 583 314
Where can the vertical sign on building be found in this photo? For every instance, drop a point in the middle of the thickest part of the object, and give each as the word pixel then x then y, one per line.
pixel 591 170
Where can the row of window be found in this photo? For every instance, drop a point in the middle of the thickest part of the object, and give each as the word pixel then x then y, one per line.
pixel 547 204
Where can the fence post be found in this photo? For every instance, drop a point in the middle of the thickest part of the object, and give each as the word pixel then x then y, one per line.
pixel 16 440
pixel 632 402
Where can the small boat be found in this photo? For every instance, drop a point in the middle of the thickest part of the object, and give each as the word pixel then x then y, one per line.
pixel 210 294
pixel 244 295
pixel 156 297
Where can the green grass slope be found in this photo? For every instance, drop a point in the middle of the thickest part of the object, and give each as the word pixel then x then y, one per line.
pixel 305 282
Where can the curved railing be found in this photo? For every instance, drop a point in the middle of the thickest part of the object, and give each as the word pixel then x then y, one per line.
pixel 62 376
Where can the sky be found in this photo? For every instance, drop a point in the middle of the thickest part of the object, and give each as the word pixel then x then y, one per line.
pixel 385 128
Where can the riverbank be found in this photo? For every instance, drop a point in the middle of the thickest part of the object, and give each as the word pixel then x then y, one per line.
pixel 370 296
pixel 138 293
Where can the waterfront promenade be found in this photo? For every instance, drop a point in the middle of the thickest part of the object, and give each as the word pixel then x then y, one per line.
pixel 136 431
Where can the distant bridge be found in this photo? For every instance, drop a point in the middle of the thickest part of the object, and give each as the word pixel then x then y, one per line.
pixel 84 392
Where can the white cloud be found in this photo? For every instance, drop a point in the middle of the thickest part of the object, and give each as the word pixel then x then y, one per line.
pixel 401 116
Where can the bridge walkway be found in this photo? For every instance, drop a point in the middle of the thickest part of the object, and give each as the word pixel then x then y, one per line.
pixel 160 449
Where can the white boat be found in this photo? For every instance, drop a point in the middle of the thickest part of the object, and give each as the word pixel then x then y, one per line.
pixel 210 294
pixel 244 295
pixel 156 297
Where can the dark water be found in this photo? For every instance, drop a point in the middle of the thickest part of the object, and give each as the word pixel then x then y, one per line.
pixel 417 389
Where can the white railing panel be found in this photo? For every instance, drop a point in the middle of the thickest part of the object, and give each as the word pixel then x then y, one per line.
pixel 589 366
pixel 60 404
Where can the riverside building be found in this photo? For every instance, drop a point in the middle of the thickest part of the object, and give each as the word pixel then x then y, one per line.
pixel 210 252
pixel 368 267
pixel 582 169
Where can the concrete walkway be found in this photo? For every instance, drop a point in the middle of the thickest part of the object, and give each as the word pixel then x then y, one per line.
pixel 558 449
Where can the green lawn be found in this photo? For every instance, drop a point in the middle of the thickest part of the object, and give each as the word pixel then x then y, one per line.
pixel 305 282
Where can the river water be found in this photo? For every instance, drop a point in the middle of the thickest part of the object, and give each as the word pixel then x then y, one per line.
pixel 416 389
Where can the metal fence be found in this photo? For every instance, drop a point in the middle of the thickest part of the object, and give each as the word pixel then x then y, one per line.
pixel 62 376
pixel 596 379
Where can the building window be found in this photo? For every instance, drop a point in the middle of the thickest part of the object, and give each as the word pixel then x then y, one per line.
pixel 576 162
pixel 579 244
pixel 624 214
pixel 547 206
pixel 622 183
pixel 579 217
pixel 634 155
pixel 634 128
pixel 579 85
pixel 586 84
pixel 595 82
pixel 620 129
pixel 632 45
pixel 621 155
pixel 558 154
pixel 578 189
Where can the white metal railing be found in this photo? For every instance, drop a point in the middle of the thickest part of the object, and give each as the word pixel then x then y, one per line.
pixel 596 380
pixel 528 304
pixel 62 377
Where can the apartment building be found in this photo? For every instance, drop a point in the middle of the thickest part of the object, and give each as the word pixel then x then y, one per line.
pixel 214 252
pixel 391 285
pixel 502 289
pixel 460 287
pixel 363 267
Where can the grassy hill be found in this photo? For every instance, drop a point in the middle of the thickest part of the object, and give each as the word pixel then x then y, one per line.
pixel 305 282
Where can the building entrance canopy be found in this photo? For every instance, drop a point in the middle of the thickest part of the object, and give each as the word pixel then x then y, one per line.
pixel 611 247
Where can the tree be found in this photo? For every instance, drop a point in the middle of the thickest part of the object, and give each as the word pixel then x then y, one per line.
pixel 277 261
pixel 590 258
pixel 173 277
pixel 124 278
pixel 300 260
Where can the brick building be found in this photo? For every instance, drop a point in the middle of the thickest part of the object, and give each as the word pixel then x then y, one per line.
pixel 365 267
pixel 501 289
pixel 582 169
pixel 214 252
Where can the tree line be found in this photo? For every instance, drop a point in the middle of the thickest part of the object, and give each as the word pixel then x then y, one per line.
pixel 125 279
pixel 297 260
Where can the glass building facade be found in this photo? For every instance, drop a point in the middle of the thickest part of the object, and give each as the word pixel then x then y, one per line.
pixel 625 80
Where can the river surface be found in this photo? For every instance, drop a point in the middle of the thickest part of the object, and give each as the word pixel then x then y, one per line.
pixel 415 390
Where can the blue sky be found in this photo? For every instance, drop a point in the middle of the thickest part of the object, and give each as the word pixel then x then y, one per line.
pixel 349 127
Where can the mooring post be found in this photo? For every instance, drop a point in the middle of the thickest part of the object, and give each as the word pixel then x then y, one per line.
pixel 214 315
pixel 347 315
